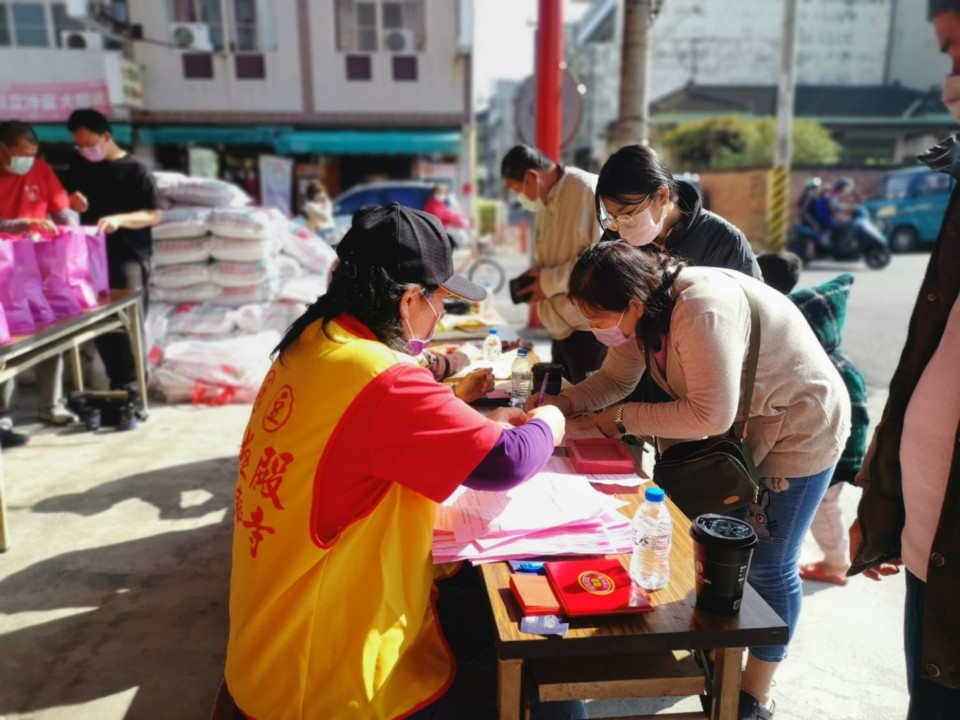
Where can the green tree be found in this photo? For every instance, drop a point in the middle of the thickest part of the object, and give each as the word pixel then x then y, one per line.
pixel 735 143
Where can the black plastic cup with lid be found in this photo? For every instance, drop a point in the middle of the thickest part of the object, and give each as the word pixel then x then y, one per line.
pixel 722 549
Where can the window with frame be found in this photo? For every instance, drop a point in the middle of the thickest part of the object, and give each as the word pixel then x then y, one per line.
pixel 5 39
pixel 362 26
pixel 30 25
pixel 63 23
pixel 250 66
pixel 206 12
pixel 359 67
pixel 197 66
pixel 933 183
pixel 405 68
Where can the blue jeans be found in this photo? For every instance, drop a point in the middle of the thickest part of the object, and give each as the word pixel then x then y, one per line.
pixel 781 520
pixel 928 700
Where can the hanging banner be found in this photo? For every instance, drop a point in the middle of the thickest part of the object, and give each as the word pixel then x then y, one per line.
pixel 276 178
pixel 52 102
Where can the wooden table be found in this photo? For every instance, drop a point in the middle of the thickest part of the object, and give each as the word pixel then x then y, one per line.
pixel 120 314
pixel 675 625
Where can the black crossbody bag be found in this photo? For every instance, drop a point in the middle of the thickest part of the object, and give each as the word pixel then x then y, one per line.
pixel 717 474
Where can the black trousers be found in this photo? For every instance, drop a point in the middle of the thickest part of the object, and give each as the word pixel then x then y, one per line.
pixel 580 354
pixel 114 348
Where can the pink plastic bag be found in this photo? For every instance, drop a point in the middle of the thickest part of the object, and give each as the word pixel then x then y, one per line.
pixel 99 270
pixel 21 287
pixel 65 266
pixel 4 329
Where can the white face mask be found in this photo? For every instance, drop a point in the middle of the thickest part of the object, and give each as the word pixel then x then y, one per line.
pixel 641 229
pixel 951 95
pixel 528 204
pixel 20 164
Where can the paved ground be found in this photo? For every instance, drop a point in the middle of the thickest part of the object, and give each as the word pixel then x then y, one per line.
pixel 113 595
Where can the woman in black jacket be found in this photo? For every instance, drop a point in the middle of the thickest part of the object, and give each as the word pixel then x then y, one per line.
pixel 640 201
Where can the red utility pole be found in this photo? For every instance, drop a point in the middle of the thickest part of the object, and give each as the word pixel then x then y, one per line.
pixel 549 72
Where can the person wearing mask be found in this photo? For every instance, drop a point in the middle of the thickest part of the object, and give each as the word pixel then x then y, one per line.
pixel 31 199
pixel 693 325
pixel 825 308
pixel 562 199
pixel 638 200
pixel 911 474
pixel 338 489
pixel 318 208
pixel 114 191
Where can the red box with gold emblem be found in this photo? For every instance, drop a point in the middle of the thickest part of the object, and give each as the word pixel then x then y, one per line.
pixel 595 587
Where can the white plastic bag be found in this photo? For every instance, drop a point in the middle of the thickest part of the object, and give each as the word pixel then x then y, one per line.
pixel 241 274
pixel 202 319
pixel 268 316
pixel 309 250
pixel 251 223
pixel 180 252
pixel 304 289
pixel 241 249
pixel 172 277
pixel 182 223
pixel 206 192
pixel 204 292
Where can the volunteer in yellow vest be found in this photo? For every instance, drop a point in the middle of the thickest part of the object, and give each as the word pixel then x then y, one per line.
pixel 350 447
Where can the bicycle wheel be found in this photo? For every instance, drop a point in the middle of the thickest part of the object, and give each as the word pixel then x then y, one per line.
pixel 485 271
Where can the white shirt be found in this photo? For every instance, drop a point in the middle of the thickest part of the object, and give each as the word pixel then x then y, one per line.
pixel 928 445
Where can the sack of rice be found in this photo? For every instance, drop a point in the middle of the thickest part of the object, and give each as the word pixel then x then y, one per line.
pixel 182 223
pixel 194 319
pixel 268 316
pixel 241 274
pixel 308 249
pixel 251 223
pixel 180 252
pixel 167 181
pixel 204 292
pixel 172 277
pixel 241 249
pixel 304 289
pixel 206 192
pixel 251 294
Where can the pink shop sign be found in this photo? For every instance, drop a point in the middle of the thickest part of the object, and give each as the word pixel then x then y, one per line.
pixel 51 102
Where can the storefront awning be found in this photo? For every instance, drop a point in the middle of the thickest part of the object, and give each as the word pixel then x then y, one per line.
pixel 211 134
pixel 122 133
pixel 370 142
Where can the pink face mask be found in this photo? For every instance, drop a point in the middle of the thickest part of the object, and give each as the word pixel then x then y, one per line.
pixel 418 345
pixel 94 153
pixel 611 336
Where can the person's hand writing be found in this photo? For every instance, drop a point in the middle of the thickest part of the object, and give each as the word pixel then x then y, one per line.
pixel 509 416
pixel 875 573
pixel 534 291
pixel 110 224
pixel 78 202
pixel 558 401
pixel 475 385
pixel 554 419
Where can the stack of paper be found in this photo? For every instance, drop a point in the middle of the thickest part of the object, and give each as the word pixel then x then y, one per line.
pixel 550 514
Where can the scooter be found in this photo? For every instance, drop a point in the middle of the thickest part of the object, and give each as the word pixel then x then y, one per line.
pixel 860 238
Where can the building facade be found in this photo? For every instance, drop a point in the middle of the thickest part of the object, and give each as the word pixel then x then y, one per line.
pixel 354 90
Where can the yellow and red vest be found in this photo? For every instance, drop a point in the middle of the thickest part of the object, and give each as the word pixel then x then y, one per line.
pixel 332 587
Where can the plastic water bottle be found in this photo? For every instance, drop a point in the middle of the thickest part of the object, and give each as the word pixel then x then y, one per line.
pixel 521 376
pixel 492 347
pixel 652 537
pixel 486 307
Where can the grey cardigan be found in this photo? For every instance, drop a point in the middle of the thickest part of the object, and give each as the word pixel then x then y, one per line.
pixel 800 411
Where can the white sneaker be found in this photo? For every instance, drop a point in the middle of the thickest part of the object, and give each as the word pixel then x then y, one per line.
pixel 58 415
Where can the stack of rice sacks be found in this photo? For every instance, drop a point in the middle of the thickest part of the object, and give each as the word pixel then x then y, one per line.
pixel 228 278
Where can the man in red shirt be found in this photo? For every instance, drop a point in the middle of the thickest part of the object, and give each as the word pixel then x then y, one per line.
pixel 31 198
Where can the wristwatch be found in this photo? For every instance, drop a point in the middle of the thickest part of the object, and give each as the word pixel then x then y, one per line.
pixel 618 420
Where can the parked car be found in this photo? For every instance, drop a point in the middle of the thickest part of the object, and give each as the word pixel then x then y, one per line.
pixel 410 193
pixel 908 206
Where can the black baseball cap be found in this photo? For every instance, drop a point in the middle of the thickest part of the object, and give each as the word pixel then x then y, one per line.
pixel 410 245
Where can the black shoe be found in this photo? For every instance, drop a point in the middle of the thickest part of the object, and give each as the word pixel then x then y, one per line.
pixel 10 439
pixel 751 709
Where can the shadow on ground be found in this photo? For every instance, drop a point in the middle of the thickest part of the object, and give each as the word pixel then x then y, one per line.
pixel 150 614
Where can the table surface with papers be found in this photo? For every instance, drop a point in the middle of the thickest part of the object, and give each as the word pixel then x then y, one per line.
pixel 675 624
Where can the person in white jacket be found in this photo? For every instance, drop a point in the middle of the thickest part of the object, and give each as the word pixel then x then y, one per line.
pixel 566 225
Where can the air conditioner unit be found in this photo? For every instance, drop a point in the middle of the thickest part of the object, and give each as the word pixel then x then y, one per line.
pixel 400 42
pixel 191 36
pixel 80 40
